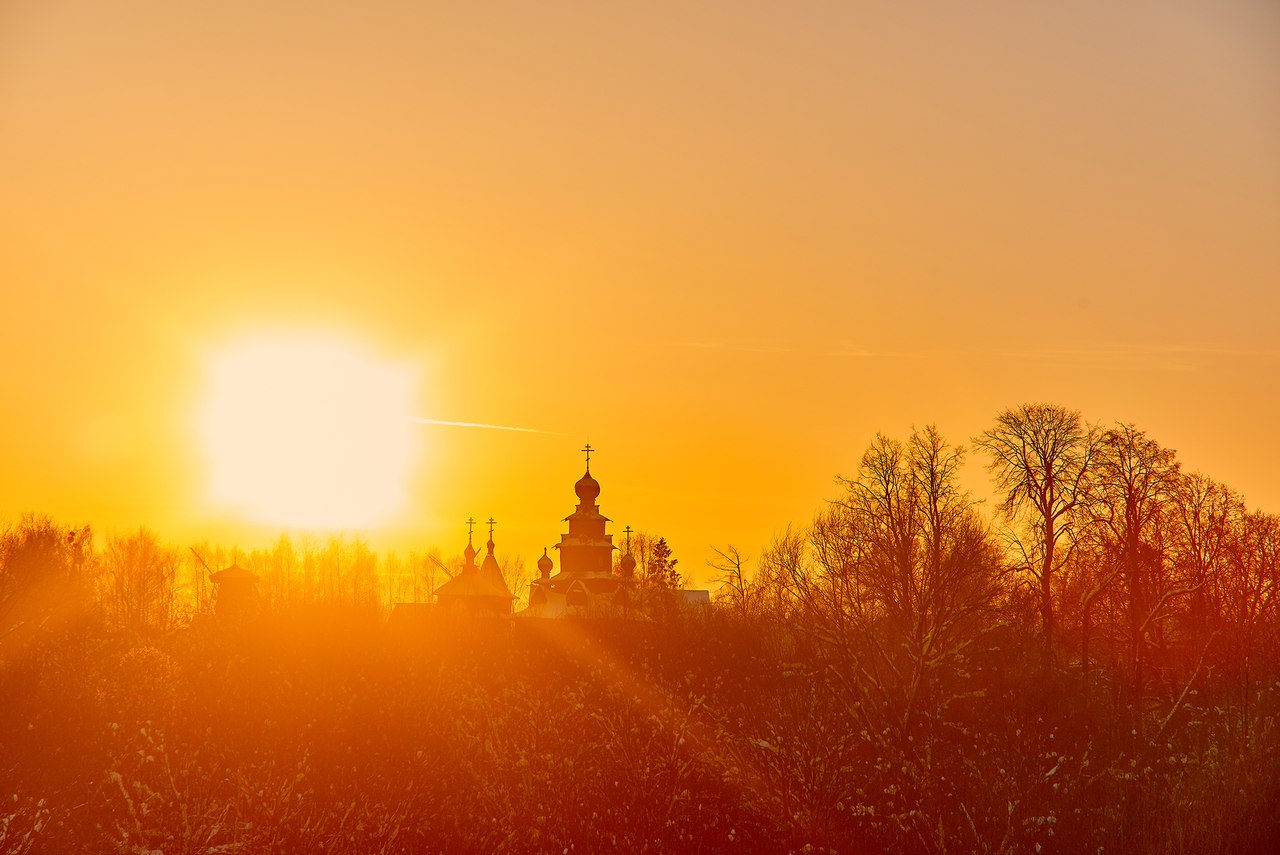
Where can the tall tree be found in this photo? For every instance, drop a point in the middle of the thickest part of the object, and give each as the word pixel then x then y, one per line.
pixel 44 574
pixel 1251 607
pixel 1207 517
pixel 1040 456
pixel 736 592
pixel 895 581
pixel 139 577
pixel 1136 481
pixel 660 569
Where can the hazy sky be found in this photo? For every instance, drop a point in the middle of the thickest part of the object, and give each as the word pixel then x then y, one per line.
pixel 725 242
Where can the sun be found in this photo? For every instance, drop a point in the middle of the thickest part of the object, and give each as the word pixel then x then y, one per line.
pixel 307 430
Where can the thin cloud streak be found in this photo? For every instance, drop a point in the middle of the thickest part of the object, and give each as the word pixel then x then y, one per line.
pixel 1176 357
pixel 726 346
pixel 1124 356
pixel 444 423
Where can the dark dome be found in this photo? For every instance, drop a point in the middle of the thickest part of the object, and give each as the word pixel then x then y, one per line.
pixel 470 551
pixel 587 488
pixel 545 563
pixel 628 565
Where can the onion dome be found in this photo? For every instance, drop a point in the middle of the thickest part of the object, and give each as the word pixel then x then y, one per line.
pixel 627 565
pixel 587 488
pixel 469 553
pixel 544 564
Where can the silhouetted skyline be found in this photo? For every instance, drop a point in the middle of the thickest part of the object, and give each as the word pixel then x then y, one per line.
pixel 727 242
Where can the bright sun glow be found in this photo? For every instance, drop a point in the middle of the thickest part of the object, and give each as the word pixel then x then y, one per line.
pixel 308 431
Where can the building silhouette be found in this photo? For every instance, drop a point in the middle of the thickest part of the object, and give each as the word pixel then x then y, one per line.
pixel 237 593
pixel 586 586
pixel 586 583
pixel 479 590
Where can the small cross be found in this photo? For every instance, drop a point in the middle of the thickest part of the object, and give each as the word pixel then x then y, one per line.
pixel 492 523
pixel 470 525
pixel 627 532
pixel 587 449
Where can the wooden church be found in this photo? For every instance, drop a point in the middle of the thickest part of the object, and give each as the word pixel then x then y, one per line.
pixel 586 584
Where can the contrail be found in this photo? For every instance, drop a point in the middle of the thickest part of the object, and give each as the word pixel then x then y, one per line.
pixel 487 427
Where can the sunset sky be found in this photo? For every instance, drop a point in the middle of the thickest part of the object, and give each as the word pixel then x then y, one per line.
pixel 726 243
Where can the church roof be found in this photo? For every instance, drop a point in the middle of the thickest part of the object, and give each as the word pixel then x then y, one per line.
pixel 587 514
pixel 562 582
pixel 483 581
pixel 473 585
pixel 492 573
pixel 600 586
pixel 235 571
pixel 587 488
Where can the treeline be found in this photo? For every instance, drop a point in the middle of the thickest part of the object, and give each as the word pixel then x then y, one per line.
pixel 1095 667
pixel 1139 577
pixel 1113 633
pixel 135 583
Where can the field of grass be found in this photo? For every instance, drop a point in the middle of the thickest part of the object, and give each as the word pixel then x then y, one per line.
pixel 324 730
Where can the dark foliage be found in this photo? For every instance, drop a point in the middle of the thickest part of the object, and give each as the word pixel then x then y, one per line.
pixel 891 678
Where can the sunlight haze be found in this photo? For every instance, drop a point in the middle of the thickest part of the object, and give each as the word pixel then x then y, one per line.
pixel 726 243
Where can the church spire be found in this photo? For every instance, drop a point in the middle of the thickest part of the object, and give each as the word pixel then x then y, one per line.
pixel 470 552
pixel 587 547
pixel 587 488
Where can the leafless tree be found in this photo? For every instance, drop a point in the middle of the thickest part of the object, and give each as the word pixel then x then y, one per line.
pixel 1206 518
pixel 517 574
pixel 736 592
pixel 1250 592
pixel 139 575
pixel 1041 457
pixel 45 575
pixel 1135 484
pixel 897 579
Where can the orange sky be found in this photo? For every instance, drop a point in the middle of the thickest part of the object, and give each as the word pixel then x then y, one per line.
pixel 725 242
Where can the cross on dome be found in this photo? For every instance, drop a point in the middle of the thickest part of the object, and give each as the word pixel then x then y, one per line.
pixel 588 450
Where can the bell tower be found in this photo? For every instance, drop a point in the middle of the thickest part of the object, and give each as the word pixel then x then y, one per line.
pixel 586 549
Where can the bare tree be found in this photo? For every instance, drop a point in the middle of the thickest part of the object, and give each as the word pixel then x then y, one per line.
pixel 1136 482
pixel 736 593
pixel 517 574
pixel 139 575
pixel 1250 594
pixel 45 574
pixel 896 580
pixel 1207 516
pixel 1040 457
pixel 781 564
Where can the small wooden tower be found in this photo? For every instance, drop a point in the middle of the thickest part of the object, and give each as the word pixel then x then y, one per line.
pixel 237 595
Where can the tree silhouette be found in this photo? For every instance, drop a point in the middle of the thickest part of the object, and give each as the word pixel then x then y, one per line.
pixel 660 568
pixel 139 576
pixel 44 575
pixel 1136 481
pixel 1040 457
pixel 737 593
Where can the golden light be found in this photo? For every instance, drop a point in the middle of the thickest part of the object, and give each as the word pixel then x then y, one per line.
pixel 308 430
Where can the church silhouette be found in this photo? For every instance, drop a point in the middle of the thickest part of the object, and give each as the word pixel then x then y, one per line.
pixel 586 586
